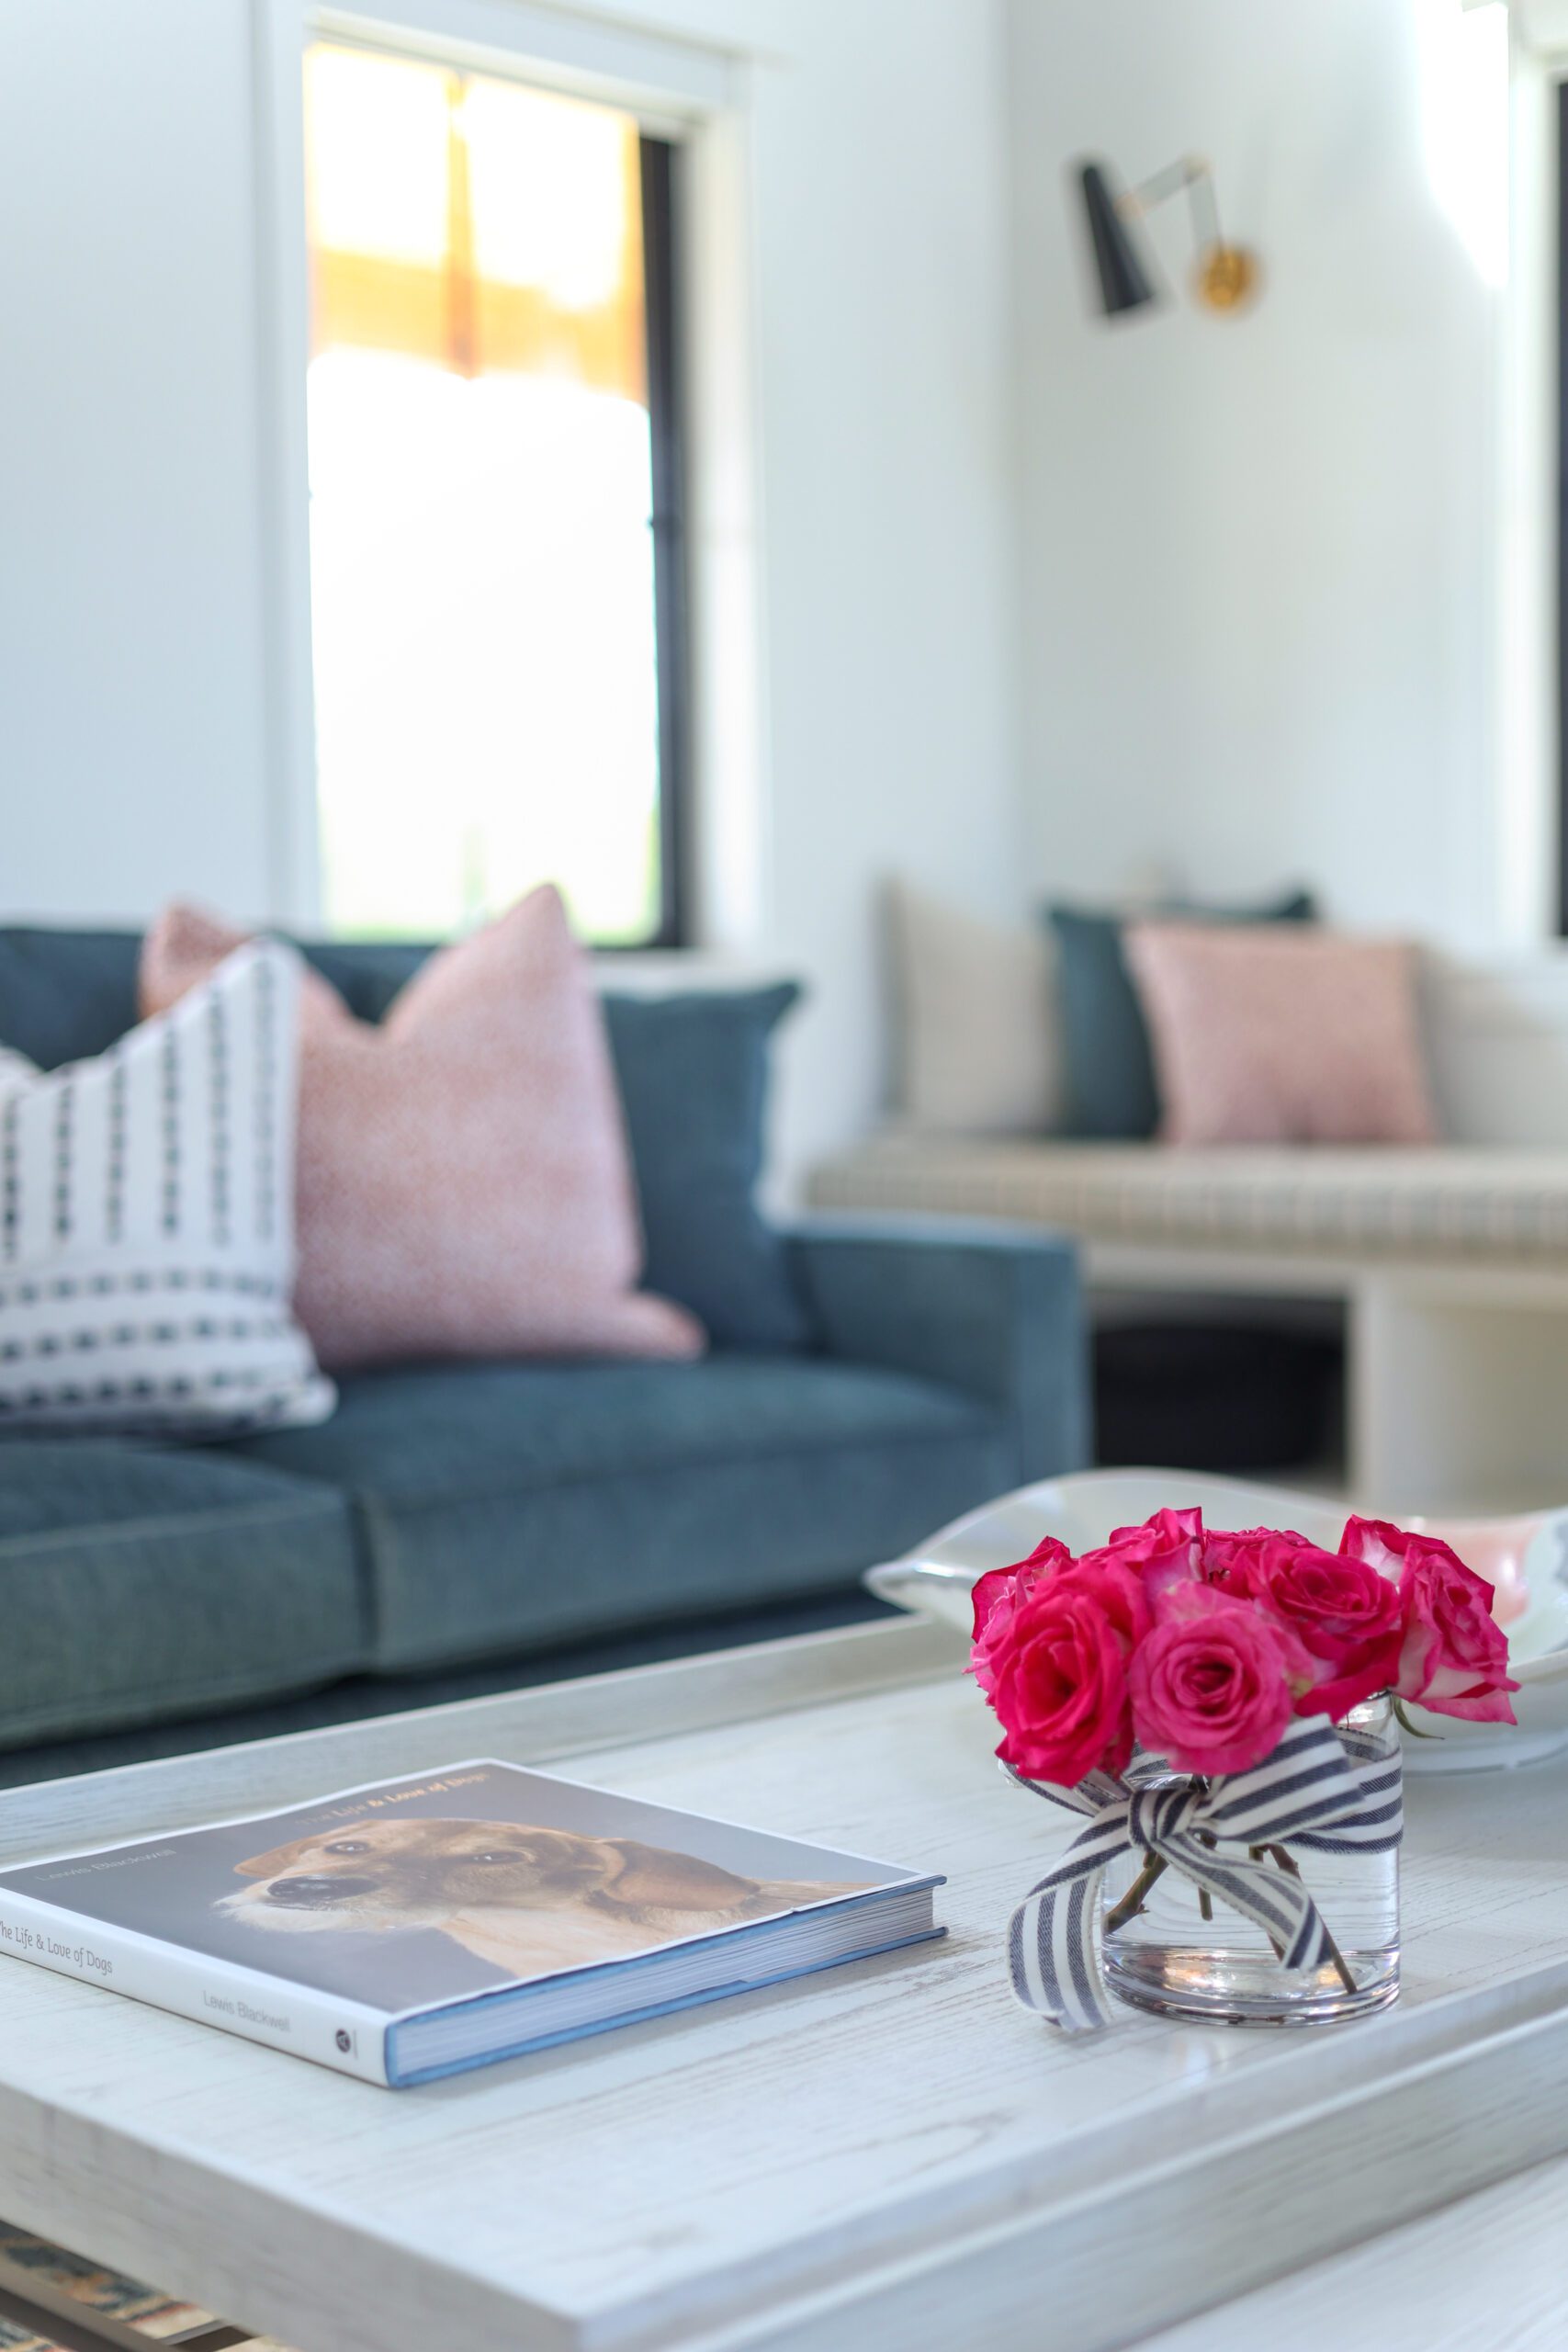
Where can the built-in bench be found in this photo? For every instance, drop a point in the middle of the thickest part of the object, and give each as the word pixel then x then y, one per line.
pixel 1452 1264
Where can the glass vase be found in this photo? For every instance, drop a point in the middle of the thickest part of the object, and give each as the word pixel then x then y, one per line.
pixel 1222 1970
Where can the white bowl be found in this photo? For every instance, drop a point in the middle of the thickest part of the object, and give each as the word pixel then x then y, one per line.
pixel 1525 1558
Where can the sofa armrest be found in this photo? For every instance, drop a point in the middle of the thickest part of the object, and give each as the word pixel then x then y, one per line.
pixel 995 1309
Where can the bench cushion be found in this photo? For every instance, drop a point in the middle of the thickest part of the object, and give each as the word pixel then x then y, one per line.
pixel 1440 1204
pixel 137 1584
pixel 504 1507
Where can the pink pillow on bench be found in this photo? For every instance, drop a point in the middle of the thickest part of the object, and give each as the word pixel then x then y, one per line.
pixel 1274 1032
pixel 462 1178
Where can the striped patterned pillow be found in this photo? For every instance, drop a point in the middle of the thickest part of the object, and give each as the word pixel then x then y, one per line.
pixel 147 1221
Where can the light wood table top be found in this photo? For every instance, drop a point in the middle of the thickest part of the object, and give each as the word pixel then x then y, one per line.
pixel 892 2151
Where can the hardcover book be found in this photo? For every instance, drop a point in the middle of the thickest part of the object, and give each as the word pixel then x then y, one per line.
pixel 420 1926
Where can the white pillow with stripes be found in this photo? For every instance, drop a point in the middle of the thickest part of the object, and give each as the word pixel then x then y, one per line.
pixel 147 1221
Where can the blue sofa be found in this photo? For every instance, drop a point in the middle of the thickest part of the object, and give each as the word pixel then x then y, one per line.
pixel 499 1519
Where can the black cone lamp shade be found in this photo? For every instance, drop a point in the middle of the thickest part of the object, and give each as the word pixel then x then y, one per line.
pixel 1123 281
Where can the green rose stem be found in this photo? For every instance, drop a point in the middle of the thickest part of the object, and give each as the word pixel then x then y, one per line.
pixel 1286 1860
pixel 1131 1903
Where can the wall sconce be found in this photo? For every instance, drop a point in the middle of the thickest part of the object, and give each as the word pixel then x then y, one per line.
pixel 1225 276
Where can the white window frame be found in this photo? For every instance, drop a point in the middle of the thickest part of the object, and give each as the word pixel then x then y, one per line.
pixel 688 90
pixel 1525 663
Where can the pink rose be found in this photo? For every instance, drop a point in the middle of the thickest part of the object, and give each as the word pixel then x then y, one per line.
pixel 1453 1657
pixel 997 1598
pixel 1118 1589
pixel 1057 1677
pixel 1055 1705
pixel 1213 1686
pixel 1165 1551
pixel 1376 1541
pixel 1232 1559
pixel 1344 1614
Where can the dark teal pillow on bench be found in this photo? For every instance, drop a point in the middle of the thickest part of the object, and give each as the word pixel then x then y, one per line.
pixel 693 1079
pixel 1109 1065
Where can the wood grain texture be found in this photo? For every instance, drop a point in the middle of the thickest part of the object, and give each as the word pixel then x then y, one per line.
pixel 888 2147
pixel 1487 2274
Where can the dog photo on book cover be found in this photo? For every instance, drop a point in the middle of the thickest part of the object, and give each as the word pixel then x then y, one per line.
pixel 523 1896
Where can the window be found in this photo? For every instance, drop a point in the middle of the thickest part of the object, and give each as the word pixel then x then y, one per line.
pixel 496 549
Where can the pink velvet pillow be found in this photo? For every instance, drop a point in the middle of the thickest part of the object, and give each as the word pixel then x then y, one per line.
pixel 1273 1033
pixel 462 1177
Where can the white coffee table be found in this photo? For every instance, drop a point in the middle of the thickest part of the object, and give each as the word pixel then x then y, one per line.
pixel 891 2154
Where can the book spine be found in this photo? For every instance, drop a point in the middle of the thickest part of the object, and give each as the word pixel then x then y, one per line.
pixel 311 2024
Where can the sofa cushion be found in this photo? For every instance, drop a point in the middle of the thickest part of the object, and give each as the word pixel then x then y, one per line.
pixel 509 1506
pixel 66 995
pixel 692 1070
pixel 367 973
pixel 464 1184
pixel 137 1584
pixel 147 1249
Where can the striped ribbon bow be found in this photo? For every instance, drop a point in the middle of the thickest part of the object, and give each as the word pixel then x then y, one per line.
pixel 1333 1791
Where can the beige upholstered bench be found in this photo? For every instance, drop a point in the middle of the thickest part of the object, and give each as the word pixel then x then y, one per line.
pixel 1451 1263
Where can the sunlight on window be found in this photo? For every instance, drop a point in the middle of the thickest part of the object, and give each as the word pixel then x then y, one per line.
pixel 481 494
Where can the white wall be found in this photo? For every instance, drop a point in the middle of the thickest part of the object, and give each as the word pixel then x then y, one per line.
pixel 133 718
pixel 1258 587
pixel 134 711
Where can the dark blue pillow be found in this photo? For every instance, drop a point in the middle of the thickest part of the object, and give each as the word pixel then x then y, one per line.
pixel 1112 1093
pixel 693 1079
pixel 366 973
pixel 66 995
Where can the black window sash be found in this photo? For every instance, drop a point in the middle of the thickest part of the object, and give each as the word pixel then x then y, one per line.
pixel 660 162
